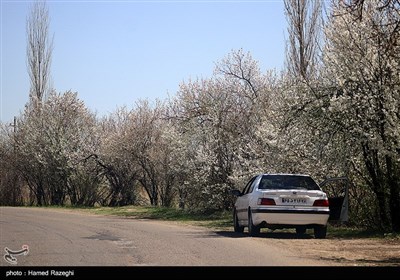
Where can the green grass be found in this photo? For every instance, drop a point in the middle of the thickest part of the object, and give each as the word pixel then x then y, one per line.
pixel 223 220
pixel 347 232
pixel 216 220
pixel 212 220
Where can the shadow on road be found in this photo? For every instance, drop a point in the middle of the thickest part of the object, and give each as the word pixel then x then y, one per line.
pixel 274 235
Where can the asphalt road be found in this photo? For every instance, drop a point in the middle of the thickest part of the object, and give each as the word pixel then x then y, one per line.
pixel 58 237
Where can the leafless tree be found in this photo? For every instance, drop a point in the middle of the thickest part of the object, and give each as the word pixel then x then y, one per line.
pixel 39 50
pixel 304 19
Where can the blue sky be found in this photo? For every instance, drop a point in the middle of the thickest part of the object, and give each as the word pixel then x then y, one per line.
pixel 115 52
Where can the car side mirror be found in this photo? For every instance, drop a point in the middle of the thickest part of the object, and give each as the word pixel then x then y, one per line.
pixel 236 192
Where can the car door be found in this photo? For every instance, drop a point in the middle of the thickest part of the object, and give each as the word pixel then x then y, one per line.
pixel 337 190
pixel 242 202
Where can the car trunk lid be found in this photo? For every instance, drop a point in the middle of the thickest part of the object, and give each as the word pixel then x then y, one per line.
pixel 294 197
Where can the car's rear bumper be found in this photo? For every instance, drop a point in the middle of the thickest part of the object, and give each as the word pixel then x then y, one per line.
pixel 290 215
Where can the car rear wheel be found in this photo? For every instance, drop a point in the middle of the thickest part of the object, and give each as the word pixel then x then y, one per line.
pixel 301 230
pixel 236 226
pixel 253 230
pixel 320 231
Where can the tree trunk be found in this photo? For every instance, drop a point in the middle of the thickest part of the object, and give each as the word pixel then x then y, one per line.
pixel 378 184
pixel 394 187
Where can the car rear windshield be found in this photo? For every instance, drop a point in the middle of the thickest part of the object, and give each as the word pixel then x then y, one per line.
pixel 287 182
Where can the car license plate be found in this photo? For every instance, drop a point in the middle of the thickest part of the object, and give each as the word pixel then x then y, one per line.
pixel 293 200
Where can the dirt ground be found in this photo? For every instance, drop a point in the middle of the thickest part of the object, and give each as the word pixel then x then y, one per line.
pixel 343 252
pixel 338 251
pixel 348 251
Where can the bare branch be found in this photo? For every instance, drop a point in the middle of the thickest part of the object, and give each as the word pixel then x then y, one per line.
pixel 39 51
pixel 304 19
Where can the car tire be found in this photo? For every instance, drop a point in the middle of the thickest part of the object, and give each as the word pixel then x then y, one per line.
pixel 236 226
pixel 301 230
pixel 320 231
pixel 253 230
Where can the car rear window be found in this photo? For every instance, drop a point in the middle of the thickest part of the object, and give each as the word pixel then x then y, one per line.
pixel 287 182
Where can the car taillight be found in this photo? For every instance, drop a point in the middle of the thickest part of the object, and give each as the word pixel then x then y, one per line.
pixel 321 203
pixel 266 201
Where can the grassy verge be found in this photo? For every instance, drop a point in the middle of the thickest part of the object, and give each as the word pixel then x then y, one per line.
pixel 219 220
pixel 342 231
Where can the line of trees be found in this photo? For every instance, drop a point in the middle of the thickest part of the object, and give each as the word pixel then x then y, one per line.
pixel 334 111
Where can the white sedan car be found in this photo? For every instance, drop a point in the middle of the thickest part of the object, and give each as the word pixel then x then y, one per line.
pixel 278 201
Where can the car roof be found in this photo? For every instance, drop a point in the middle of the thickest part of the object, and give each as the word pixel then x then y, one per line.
pixel 286 174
